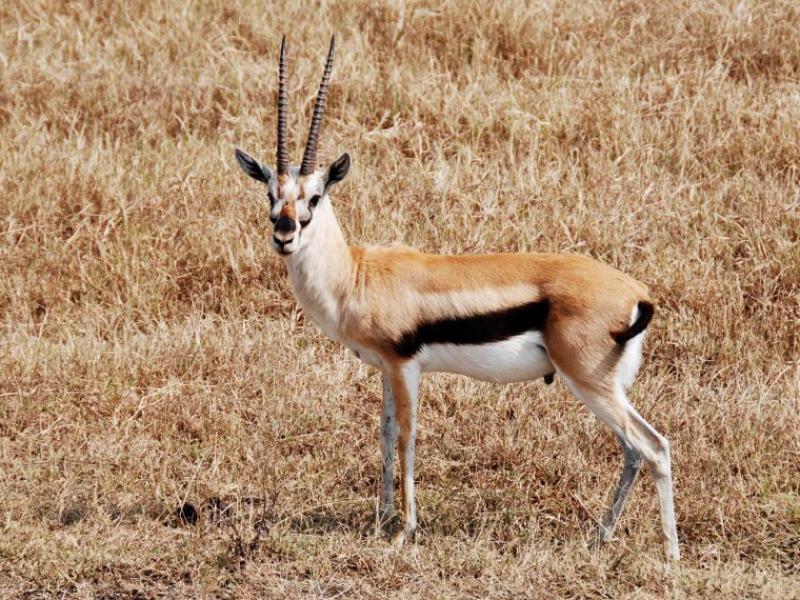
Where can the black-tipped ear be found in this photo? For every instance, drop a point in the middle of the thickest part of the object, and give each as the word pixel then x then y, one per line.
pixel 252 167
pixel 338 170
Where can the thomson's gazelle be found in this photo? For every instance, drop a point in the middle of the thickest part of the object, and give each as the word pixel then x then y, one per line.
pixel 496 317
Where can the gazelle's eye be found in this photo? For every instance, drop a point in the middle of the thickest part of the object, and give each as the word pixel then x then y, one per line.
pixel 314 200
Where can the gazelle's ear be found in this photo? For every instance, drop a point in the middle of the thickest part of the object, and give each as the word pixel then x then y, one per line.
pixel 337 170
pixel 252 167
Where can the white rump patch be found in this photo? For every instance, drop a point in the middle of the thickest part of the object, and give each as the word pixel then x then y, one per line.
pixel 519 358
pixel 632 356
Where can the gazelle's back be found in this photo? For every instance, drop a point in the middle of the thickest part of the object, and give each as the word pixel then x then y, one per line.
pixel 469 284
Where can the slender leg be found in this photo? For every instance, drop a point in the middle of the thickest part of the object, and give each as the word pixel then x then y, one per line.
pixel 630 472
pixel 613 408
pixel 388 450
pixel 404 380
pixel 661 469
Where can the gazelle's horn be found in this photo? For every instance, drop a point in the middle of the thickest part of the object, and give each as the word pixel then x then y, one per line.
pixel 283 157
pixel 310 154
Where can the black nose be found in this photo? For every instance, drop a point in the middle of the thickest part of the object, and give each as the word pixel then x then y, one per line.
pixel 285 225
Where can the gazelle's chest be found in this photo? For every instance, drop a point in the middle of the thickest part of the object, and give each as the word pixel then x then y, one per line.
pixel 323 310
pixel 319 305
pixel 324 319
pixel 364 354
pixel 518 358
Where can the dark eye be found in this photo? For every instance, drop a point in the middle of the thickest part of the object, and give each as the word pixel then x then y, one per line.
pixel 314 200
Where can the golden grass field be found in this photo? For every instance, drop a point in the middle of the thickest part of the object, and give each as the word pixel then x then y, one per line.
pixel 152 354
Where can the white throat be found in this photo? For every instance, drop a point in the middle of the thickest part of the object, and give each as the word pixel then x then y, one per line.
pixel 321 271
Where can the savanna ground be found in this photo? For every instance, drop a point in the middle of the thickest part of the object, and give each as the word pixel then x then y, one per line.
pixel 152 356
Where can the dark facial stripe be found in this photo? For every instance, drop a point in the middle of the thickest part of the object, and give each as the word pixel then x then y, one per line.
pixel 478 329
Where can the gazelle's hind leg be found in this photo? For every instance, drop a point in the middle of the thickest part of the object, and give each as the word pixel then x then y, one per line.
pixel 630 471
pixel 645 443
pixel 658 460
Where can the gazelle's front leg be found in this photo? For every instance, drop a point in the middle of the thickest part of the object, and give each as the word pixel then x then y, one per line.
pixel 404 382
pixel 388 450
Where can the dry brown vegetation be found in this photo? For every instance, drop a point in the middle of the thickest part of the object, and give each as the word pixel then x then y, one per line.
pixel 151 353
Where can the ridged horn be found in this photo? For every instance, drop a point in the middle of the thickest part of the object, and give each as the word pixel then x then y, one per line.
pixel 310 154
pixel 283 157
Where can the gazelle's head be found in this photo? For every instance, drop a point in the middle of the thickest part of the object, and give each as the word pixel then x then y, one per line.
pixel 296 192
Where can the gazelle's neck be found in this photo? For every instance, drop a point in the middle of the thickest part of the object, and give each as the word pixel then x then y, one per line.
pixel 322 271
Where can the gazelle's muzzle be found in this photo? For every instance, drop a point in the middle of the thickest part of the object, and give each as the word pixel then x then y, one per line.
pixel 286 235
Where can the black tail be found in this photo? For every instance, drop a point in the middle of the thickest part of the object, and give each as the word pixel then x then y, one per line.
pixel 639 325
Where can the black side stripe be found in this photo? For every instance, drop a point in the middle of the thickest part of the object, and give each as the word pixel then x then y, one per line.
pixel 490 327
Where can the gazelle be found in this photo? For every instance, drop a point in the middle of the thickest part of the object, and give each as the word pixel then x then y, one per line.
pixel 494 317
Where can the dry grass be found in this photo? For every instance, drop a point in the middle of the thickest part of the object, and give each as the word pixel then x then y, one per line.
pixel 151 352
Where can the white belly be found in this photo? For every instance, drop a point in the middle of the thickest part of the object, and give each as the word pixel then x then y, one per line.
pixel 516 359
